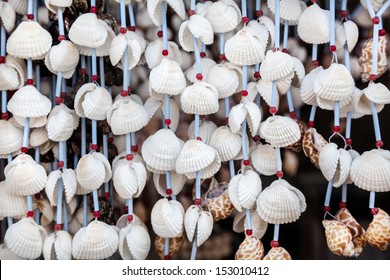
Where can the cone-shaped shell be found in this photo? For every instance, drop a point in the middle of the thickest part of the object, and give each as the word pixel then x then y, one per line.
pixel 259 226
pixel 129 179
pixel 134 242
pixel 263 158
pixel 153 53
pixel 226 143
pixel 378 231
pixel 347 33
pixel 58 246
pixel 278 253
pixel 198 223
pixel 224 16
pixel 61 123
pixel 29 40
pixel 308 95
pixel 177 183
pixel 68 181
pixel 154 9
pixel 249 111
pixel 23 176
pixel 312 143
pixel 167 218
pixel 10 137
pixel 25 238
pixel 200 98
pixel 338 238
pixel 280 203
pixel 276 66
pixel 63 58
pixel 87 31
pixel 85 241
pixel 377 93
pixel 11 205
pixel 250 249
pixel 313 25
pixel 244 49
pixel 7 16
pixel 289 9
pixel 280 131
pixel 9 79
pixel 225 80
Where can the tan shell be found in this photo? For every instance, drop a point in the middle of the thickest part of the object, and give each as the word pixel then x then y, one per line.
pixel 250 249
pixel 338 238
pixel 263 158
pixel 11 205
pixel 134 242
pixel 312 143
pixel 200 98
pixel 259 226
pixel 198 224
pixel 313 25
pixel 10 137
pixel 378 232
pixel 167 218
pixel 175 245
pixel 278 253
pixel 280 131
pixel 365 59
pixel 87 31
pixel 220 207
pixel 58 246
pixel 249 111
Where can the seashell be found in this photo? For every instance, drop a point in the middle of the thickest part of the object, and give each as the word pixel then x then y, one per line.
pixel 38 136
pixel 244 49
pixel 365 59
pixel 357 231
pixel 176 184
pixel 200 98
pixel 265 90
pixel 277 253
pixel 61 123
pixel 20 66
pixel 29 40
pixel 63 58
pixel 280 203
pixel 338 238
pixel 290 10
pixel 47 214
pixel 9 79
pixel 129 179
pixel 87 31
pixel 197 156
pixel 25 238
pixel 11 205
pixel 224 16
pixel 225 81
pixel 377 93
pixel 226 143
pixel 10 137
pixel 371 172
pixel 308 95
pixel 299 71
pixel 378 231
pixel 53 4
pixel 198 224
pixel 7 254
pixel 134 242
pixel 167 218
pixel 134 50
pixel 123 222
pixel 269 24
pixel 153 53
pixel 167 78
pixel 219 204
pixel 85 240
pixel 201 8
pixel 152 105
pixel 263 158
pixel 260 31
pixel 7 16
pixel 276 66
pixel 23 176
pixel 154 10
pixel 312 143
pixel 361 105
pixel 244 189
pixel 57 246
pixel 313 25
pixel 206 130
pixel 28 102
pixel 20 6
pixel 250 249
pixel 92 101
pixel 175 245
pixel 347 33
pixel 327 104
pixel 259 226
pixel 206 64
pixel 334 83
pixel 249 111
pixel 376 4
pixel 92 171
pixel 161 150
pixel 196 28
pixel 280 131
pixel 69 183
pixel 297 146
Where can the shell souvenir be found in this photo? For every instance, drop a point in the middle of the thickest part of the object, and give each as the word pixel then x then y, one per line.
pixel 9 79
pixel 177 183
pixel 167 218
pixel 198 224
pixel 58 246
pixel 47 213
pixel 207 65
pixel 259 226
pixel 362 105
pixel 38 136
pixel 10 138
pixel 69 182
pixel 244 48
pixel 265 90
pixel 217 200
pixel 88 31
pixel 200 98
pixel 85 240
pixel 197 156
pixel 200 28
pixel 249 111
pixel 20 6
pixel 7 16
pixel 92 101
pixel 19 66
pixel 154 9
pixel 129 179
pixel 313 25
pixel 377 93
pixel 263 158
pixel 297 146
pixel 61 123
pixel 280 203
pixel 347 32
pixel 260 31
pixel 226 143
pixel 280 131
pixel 123 221
pixel 307 93
pixel 276 66
pixel 269 24
pixel 134 242
pixel 338 238
pixel 365 59
pixel 53 4
pixel 175 245
pixel 63 58
pixel 224 16
pixel 23 176
pixel 378 231
pixel 290 10
pixel 153 53
pixel 29 40
pixel 244 189
pixel 152 105
pixel 7 254
pixel 206 130
pixel 122 43
pixel 250 249
pixel 225 80
pixel 277 253
pixel 311 144
pixel 25 238
pixel 11 205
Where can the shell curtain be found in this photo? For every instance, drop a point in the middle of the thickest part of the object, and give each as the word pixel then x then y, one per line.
pixel 172 129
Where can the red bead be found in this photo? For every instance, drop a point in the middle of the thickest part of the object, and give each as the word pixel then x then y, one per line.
pixel 256 138
pixel 61 38
pixel 222 57
pixel 259 13
pixel 279 174
pixel 332 48
pixel 30 16
pixel 276 49
pixel 248 232
pixel 110 139
pixel 344 13
pixel 245 20
pixel 130 218
pixel 122 30
pixel 124 93
pixel 372 77
pixel 96 214
pixel 202 54
pixel 58 100
pixel 2 59
pixel 165 52
pixel 379 144
pixel 167 257
pixel 168 191
pixel 93 9
pixel 374 211
pixel 244 92
pixel 382 32
pixel 326 208
pixel 293 115
pixel 60 164
pixel 348 141
pixel 95 78
pixel 191 12
pixel 342 204
pixel 30 82
pixel 202 117
pixel 198 201
pixel 30 214
pixel 336 128
pixel 256 75
pixel 376 20
pixel 83 71
pixel 168 122
pixel 132 28
pixel 63 94
pixel 227 120
pixel 129 157
pixel 159 34
pixel 4 116
pixel 311 123
pixel 246 162
pixel 284 50
pixel 199 76
pixel 94 147
pixel 199 138
pixel 24 150
pixel 106 195
pixel 37 196
pixel 272 110
pixel 134 148
pixel 316 63
pixel 58 227
pixel 274 243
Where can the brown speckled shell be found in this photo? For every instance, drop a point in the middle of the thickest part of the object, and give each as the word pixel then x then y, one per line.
pixel 220 207
pixel 297 146
pixel 309 148
pixel 378 232
pixel 250 249
pixel 339 238
pixel 365 59
pixel 278 253
pixel 174 245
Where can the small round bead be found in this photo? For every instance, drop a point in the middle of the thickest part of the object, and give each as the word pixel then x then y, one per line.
pixel 124 93
pixel 4 116
pixel 202 117
pixel 342 204
pixel 134 148
pixel 61 38
pixel 376 20
pixel 198 201
pixel 244 93
pixel 279 174
pixel 168 122
pixel 130 218
pixel 96 214
pixel 2 59
pixel 24 150
pixel 382 32
pixel 159 34
pixel 168 191
pixel 106 195
pixel 123 30
pixel 167 257
pixel 245 20
pixel 227 120
pixel 348 141
pixel 129 157
pixel 272 110
pixel 336 128
pixel 372 77
pixel 94 147
pixel 274 243
pixel 30 16
pixel 311 124
pixel 83 71
pixel 30 82
pixel 379 144
pixel 199 138
pixel 199 76
pixel 58 227
pixel 284 50
pixel 332 48
pixel 316 63
pixel 248 232
pixel 165 52
pixel 132 28
pixel 63 94
pixel 293 115
pixel 191 12
pixel 222 57
pixel 259 13
pixel 30 214
pixel 110 139
pixel 256 138
pixel 93 9
pixel 246 162
pixel 95 78
pixel 276 49
pixel 58 100
pixel 344 13
pixel 374 211
pixel 202 54
pixel 38 196
pixel 60 164
pixel 326 208
pixel 257 75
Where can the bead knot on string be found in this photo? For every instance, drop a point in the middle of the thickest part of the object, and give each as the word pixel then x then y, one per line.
pixel 259 13
pixel 344 13
pixel 95 78
pixel 2 59
pixel 61 38
pixel 336 128
pixel 132 28
pixel 222 57
pixel 245 20
pixel 129 157
pixel 4 116
pixel 326 208
pixel 30 82
pixel 249 232
pixel 199 138
pixel 124 93
pixel 94 147
pixel 30 214
pixel 93 10
pixel 83 71
pixel 198 201
pixel 348 141
pixel 279 174
pixel 24 150
pixel 376 20
pixel 96 214
pixel 285 50
pixel 199 76
pixel 342 204
pixel 60 164
pixel 134 148
pixel 244 93
pixel 191 12
pixel 256 75
pixel 372 77
pixel 165 52
pixel 272 110
pixel 316 63
pixel 256 138
pixel 58 227
pixel 374 211
pixel 159 34
pixel 167 257
pixel 58 100
pixel 167 122
pixel 332 48
pixel 379 144
pixel 130 218
pixel 311 124
pixel 30 16
pixel 203 54
pixel 382 32
pixel 168 191
pixel 274 243
pixel 246 162
pixel 293 115
pixel 106 195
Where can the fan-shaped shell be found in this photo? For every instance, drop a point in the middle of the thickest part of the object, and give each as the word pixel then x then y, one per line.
pixel 339 238
pixel 167 218
pixel 61 123
pixel 38 136
pixel 154 9
pixel 201 29
pixel 200 98
pixel 11 205
pixel 206 64
pixel 153 53
pixel 225 80
pixel 280 131
pixel 365 59
pixel 63 58
pixel 308 95
pixel 377 93
pixel 259 226
pixel 206 130
pixel 7 254
pixel 20 6
pixel 224 16
pixel 177 183
pixel 167 78
pixel 278 253
pixel 7 16
pixel 313 25
pixel 20 66
pixel 289 9
pixel 378 231
pixel 9 79
pixel 57 246
pixel 276 66
pixel 347 33
pixel 226 143
pixel 134 242
pixel 129 180
pixel 263 158
pixel 10 137
pixel 265 90
pixel 198 223
pixel 249 111
pixel 69 182
pixel 250 249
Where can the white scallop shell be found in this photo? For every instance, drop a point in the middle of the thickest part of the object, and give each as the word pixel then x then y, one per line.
pixel 225 80
pixel 123 222
pixel 61 123
pixel 265 90
pixel 97 241
pixel 25 238
pixel 206 130
pixel 299 70
pixel 224 16
pixel 29 40
pixel 263 158
pixel 347 33
pixel 57 246
pixel 249 111
pixel 63 57
pixel 280 131
pixel 313 25
pixel 68 181
pixel 20 6
pixel 153 53
pixel 206 63
pixel 154 9
pixel 260 31
pixel 198 224
pixel 134 242
pixel 308 95
pixel 7 254
pixel 167 218
pixel 177 183
pixel 289 9
pixel 343 168
pixel 87 31
pixel 226 143
pixel 10 137
pixel 259 226
pixel 276 66
pixel 20 66
pixel 152 105
pixel 201 8
pixel 269 24
pixel 134 51
pixel 377 93
pixel 361 105
pixel 11 205
pixel 7 16
pixel 129 179
pixel 9 79
pixel 200 98
pixel 196 28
